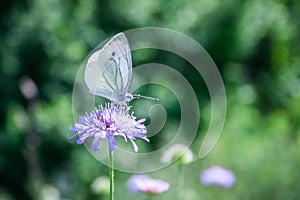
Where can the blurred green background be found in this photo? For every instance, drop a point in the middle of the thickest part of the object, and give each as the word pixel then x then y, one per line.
pixel 255 45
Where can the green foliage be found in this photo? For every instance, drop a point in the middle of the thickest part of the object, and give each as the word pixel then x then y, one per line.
pixel 255 44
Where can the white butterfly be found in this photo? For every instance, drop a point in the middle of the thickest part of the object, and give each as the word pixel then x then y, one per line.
pixel 108 71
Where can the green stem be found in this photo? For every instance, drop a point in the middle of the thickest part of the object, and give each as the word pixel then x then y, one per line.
pixel 179 180
pixel 148 197
pixel 111 175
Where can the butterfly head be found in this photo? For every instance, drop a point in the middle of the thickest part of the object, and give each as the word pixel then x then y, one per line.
pixel 128 97
pixel 123 98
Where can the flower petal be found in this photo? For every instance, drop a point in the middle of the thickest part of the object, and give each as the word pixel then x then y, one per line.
pixel 79 141
pixel 95 145
pixel 72 136
pixel 141 120
pixel 73 128
pixel 135 147
pixel 112 143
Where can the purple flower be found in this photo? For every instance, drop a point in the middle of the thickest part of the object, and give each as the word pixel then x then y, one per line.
pixel 146 184
pixel 108 122
pixel 219 176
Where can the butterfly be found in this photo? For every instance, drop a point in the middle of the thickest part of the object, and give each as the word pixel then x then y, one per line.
pixel 108 71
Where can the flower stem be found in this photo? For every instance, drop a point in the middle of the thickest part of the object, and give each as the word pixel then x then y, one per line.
pixel 179 180
pixel 148 197
pixel 111 175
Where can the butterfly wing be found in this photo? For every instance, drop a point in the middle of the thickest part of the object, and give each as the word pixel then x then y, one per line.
pixel 108 71
pixel 119 48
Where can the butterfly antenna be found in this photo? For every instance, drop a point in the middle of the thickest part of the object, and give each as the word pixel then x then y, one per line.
pixel 145 97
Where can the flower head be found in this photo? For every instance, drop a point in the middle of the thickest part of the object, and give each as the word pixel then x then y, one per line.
pixel 219 176
pixel 107 122
pixel 146 184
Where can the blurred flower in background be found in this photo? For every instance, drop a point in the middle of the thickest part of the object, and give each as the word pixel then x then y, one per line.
pixel 49 192
pixel 100 185
pixel 28 88
pixel 177 151
pixel 108 122
pixel 146 184
pixel 218 176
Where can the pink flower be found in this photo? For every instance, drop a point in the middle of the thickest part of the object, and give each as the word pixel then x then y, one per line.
pixel 146 184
